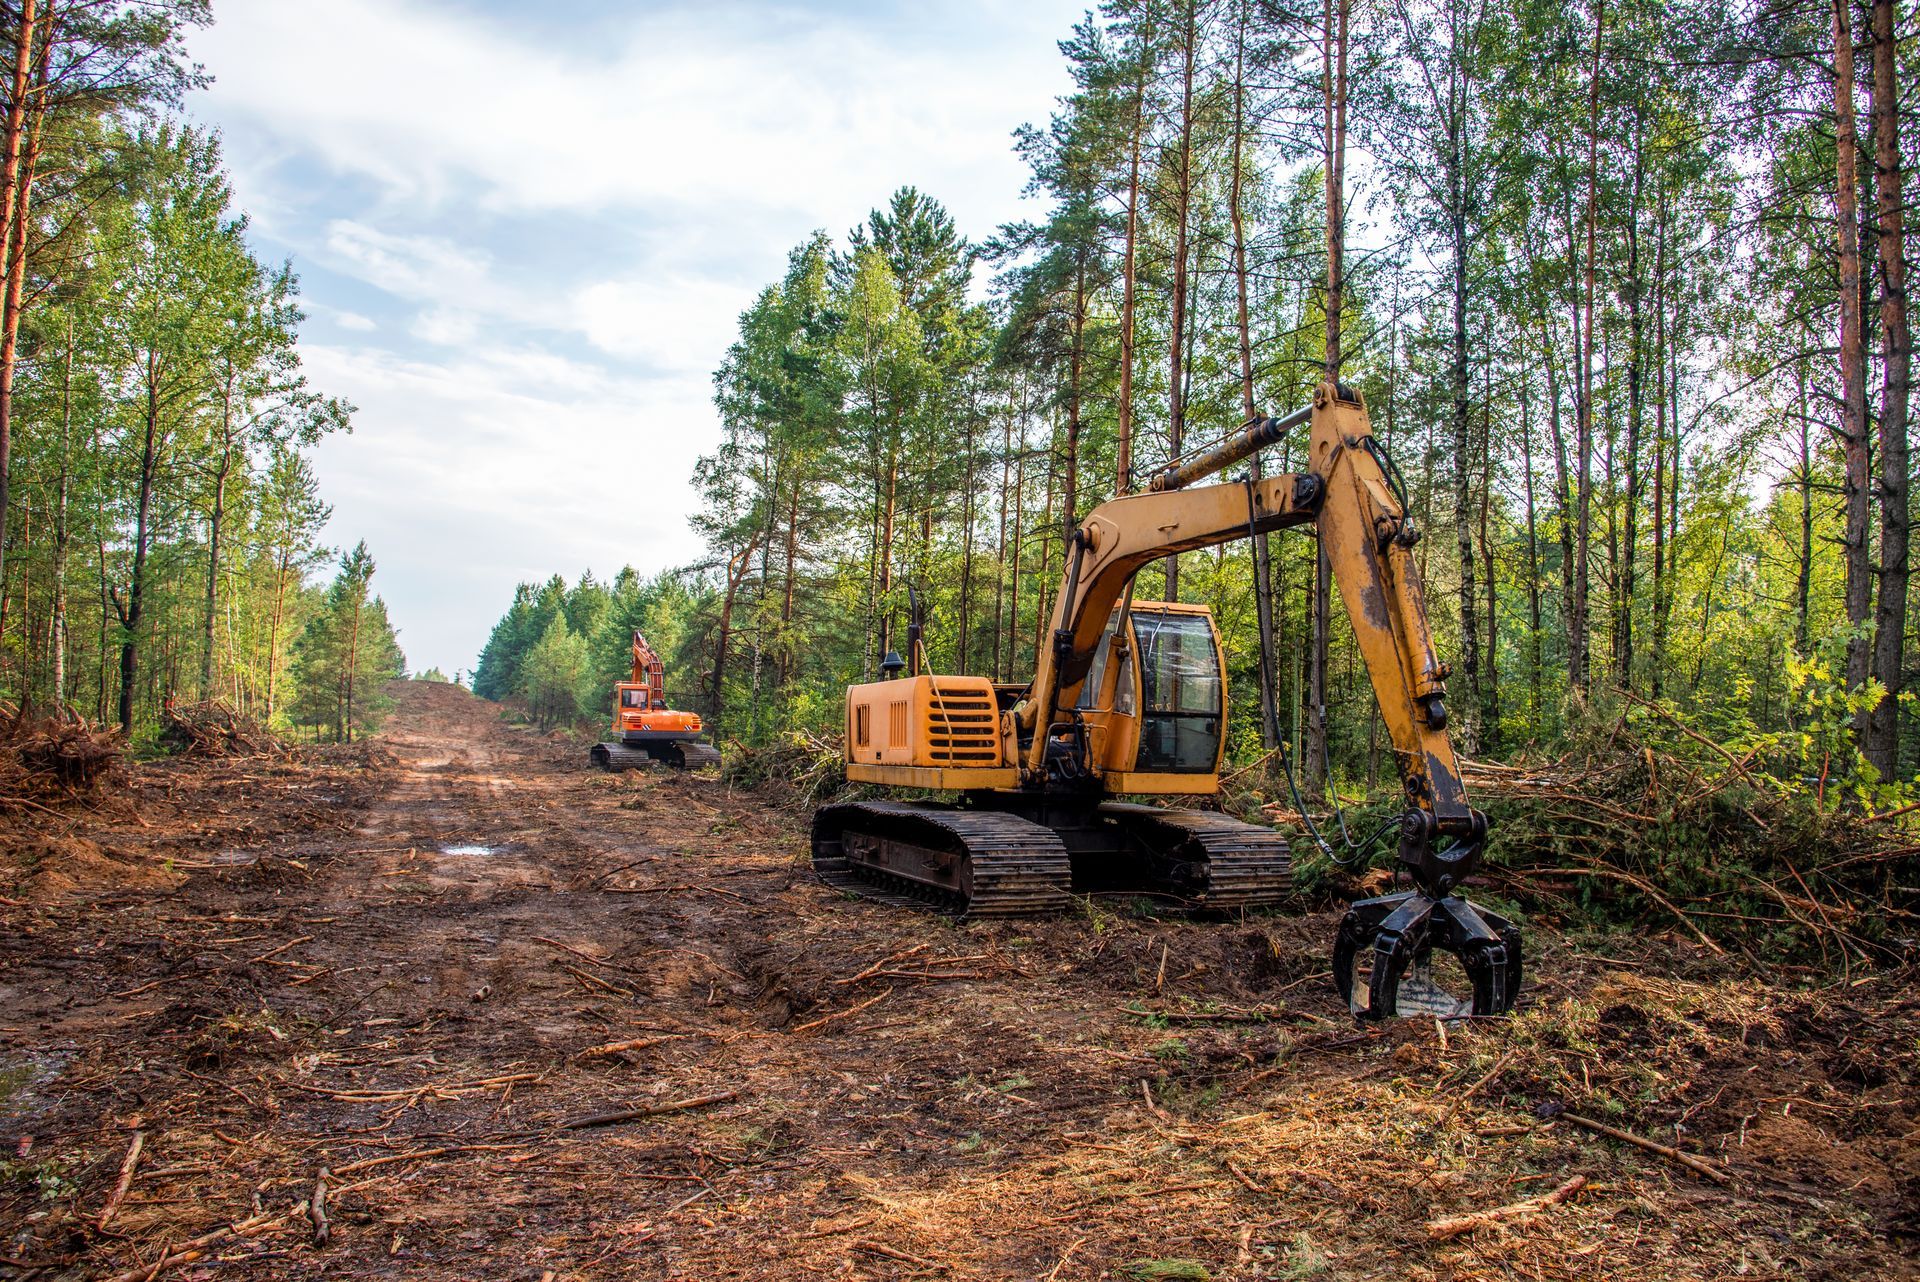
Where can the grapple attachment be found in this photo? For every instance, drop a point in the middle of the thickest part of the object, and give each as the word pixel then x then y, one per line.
pixel 1397 935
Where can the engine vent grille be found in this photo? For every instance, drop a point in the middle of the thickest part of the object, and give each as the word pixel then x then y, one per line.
pixel 963 727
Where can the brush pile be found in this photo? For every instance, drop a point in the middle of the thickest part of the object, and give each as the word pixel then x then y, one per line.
pixel 1655 823
pixel 804 765
pixel 44 761
pixel 212 729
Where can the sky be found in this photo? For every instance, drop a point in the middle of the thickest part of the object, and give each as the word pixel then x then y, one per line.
pixel 524 235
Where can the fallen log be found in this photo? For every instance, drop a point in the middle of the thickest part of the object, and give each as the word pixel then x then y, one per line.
pixel 1454 1226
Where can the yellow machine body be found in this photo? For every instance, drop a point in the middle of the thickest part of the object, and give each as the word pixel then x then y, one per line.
pixel 1153 711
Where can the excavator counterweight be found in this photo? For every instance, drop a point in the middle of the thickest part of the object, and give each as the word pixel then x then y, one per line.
pixel 645 729
pixel 1128 700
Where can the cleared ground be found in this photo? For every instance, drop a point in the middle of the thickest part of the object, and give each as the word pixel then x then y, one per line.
pixel 404 966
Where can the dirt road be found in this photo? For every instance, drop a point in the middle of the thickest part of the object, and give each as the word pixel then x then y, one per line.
pixel 425 974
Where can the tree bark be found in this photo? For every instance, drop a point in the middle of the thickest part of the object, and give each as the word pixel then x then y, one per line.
pixel 1853 375
pixel 15 204
pixel 1262 599
pixel 1889 647
pixel 1182 216
pixel 1123 481
pixel 1577 648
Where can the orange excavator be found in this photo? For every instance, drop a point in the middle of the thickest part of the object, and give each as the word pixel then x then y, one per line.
pixel 645 729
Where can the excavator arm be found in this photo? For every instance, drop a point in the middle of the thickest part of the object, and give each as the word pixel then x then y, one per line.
pixel 1350 497
pixel 648 671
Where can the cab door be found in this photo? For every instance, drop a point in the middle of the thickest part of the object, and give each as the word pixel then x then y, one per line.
pixel 1182 703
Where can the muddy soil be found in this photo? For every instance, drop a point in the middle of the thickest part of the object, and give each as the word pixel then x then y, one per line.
pixel 520 1020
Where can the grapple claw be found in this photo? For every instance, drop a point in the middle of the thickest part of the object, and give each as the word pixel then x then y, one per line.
pixel 1398 934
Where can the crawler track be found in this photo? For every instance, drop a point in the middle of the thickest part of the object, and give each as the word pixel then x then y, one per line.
pixel 972 863
pixel 681 754
pixel 1212 862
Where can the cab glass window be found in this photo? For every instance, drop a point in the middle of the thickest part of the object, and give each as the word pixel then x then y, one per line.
pixel 1179 692
pixel 633 698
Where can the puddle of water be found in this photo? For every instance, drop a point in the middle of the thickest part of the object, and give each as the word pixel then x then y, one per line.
pixel 467 850
pixel 21 1076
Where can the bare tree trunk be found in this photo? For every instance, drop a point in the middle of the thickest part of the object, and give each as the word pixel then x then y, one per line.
pixel 1123 481
pixel 1076 364
pixel 1000 555
pixel 1623 606
pixel 1182 215
pixel 132 610
pixel 1578 661
pixel 787 591
pixel 1262 600
pixel 1537 662
pixel 1657 660
pixel 1490 688
pixel 1803 578
pixel 736 575
pixel 966 534
pixel 1890 619
pixel 15 202
pixel 1333 84
pixel 1853 374
pixel 62 530
pixel 1019 537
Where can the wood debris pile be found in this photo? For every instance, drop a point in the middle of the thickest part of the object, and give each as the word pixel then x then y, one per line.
pixel 212 729
pixel 50 760
pixel 810 767
pixel 1657 823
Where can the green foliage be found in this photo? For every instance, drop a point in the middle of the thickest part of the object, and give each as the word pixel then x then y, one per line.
pixel 557 676
pixel 346 655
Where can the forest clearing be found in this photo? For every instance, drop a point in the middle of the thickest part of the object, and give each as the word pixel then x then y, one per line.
pixel 522 1019
pixel 1159 640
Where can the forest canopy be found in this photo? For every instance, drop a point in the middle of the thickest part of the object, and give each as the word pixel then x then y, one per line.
pixel 1624 292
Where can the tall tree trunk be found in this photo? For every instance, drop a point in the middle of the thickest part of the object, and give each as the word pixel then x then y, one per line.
pixel 1182 215
pixel 737 566
pixel 1623 605
pixel 787 590
pixel 1853 373
pixel 1076 364
pixel 1536 660
pixel 133 609
pixel 62 530
pixel 1262 573
pixel 1803 577
pixel 1577 649
pixel 1000 555
pixel 1490 687
pixel 1123 480
pixel 1662 585
pixel 1890 618
pixel 966 533
pixel 1019 539
pixel 1333 72
pixel 15 206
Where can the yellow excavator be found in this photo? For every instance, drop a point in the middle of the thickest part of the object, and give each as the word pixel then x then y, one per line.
pixel 1129 700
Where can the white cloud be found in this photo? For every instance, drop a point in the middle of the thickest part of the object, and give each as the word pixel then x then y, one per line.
pixel 691 108
pixel 545 232
pixel 500 466
pixel 447 326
